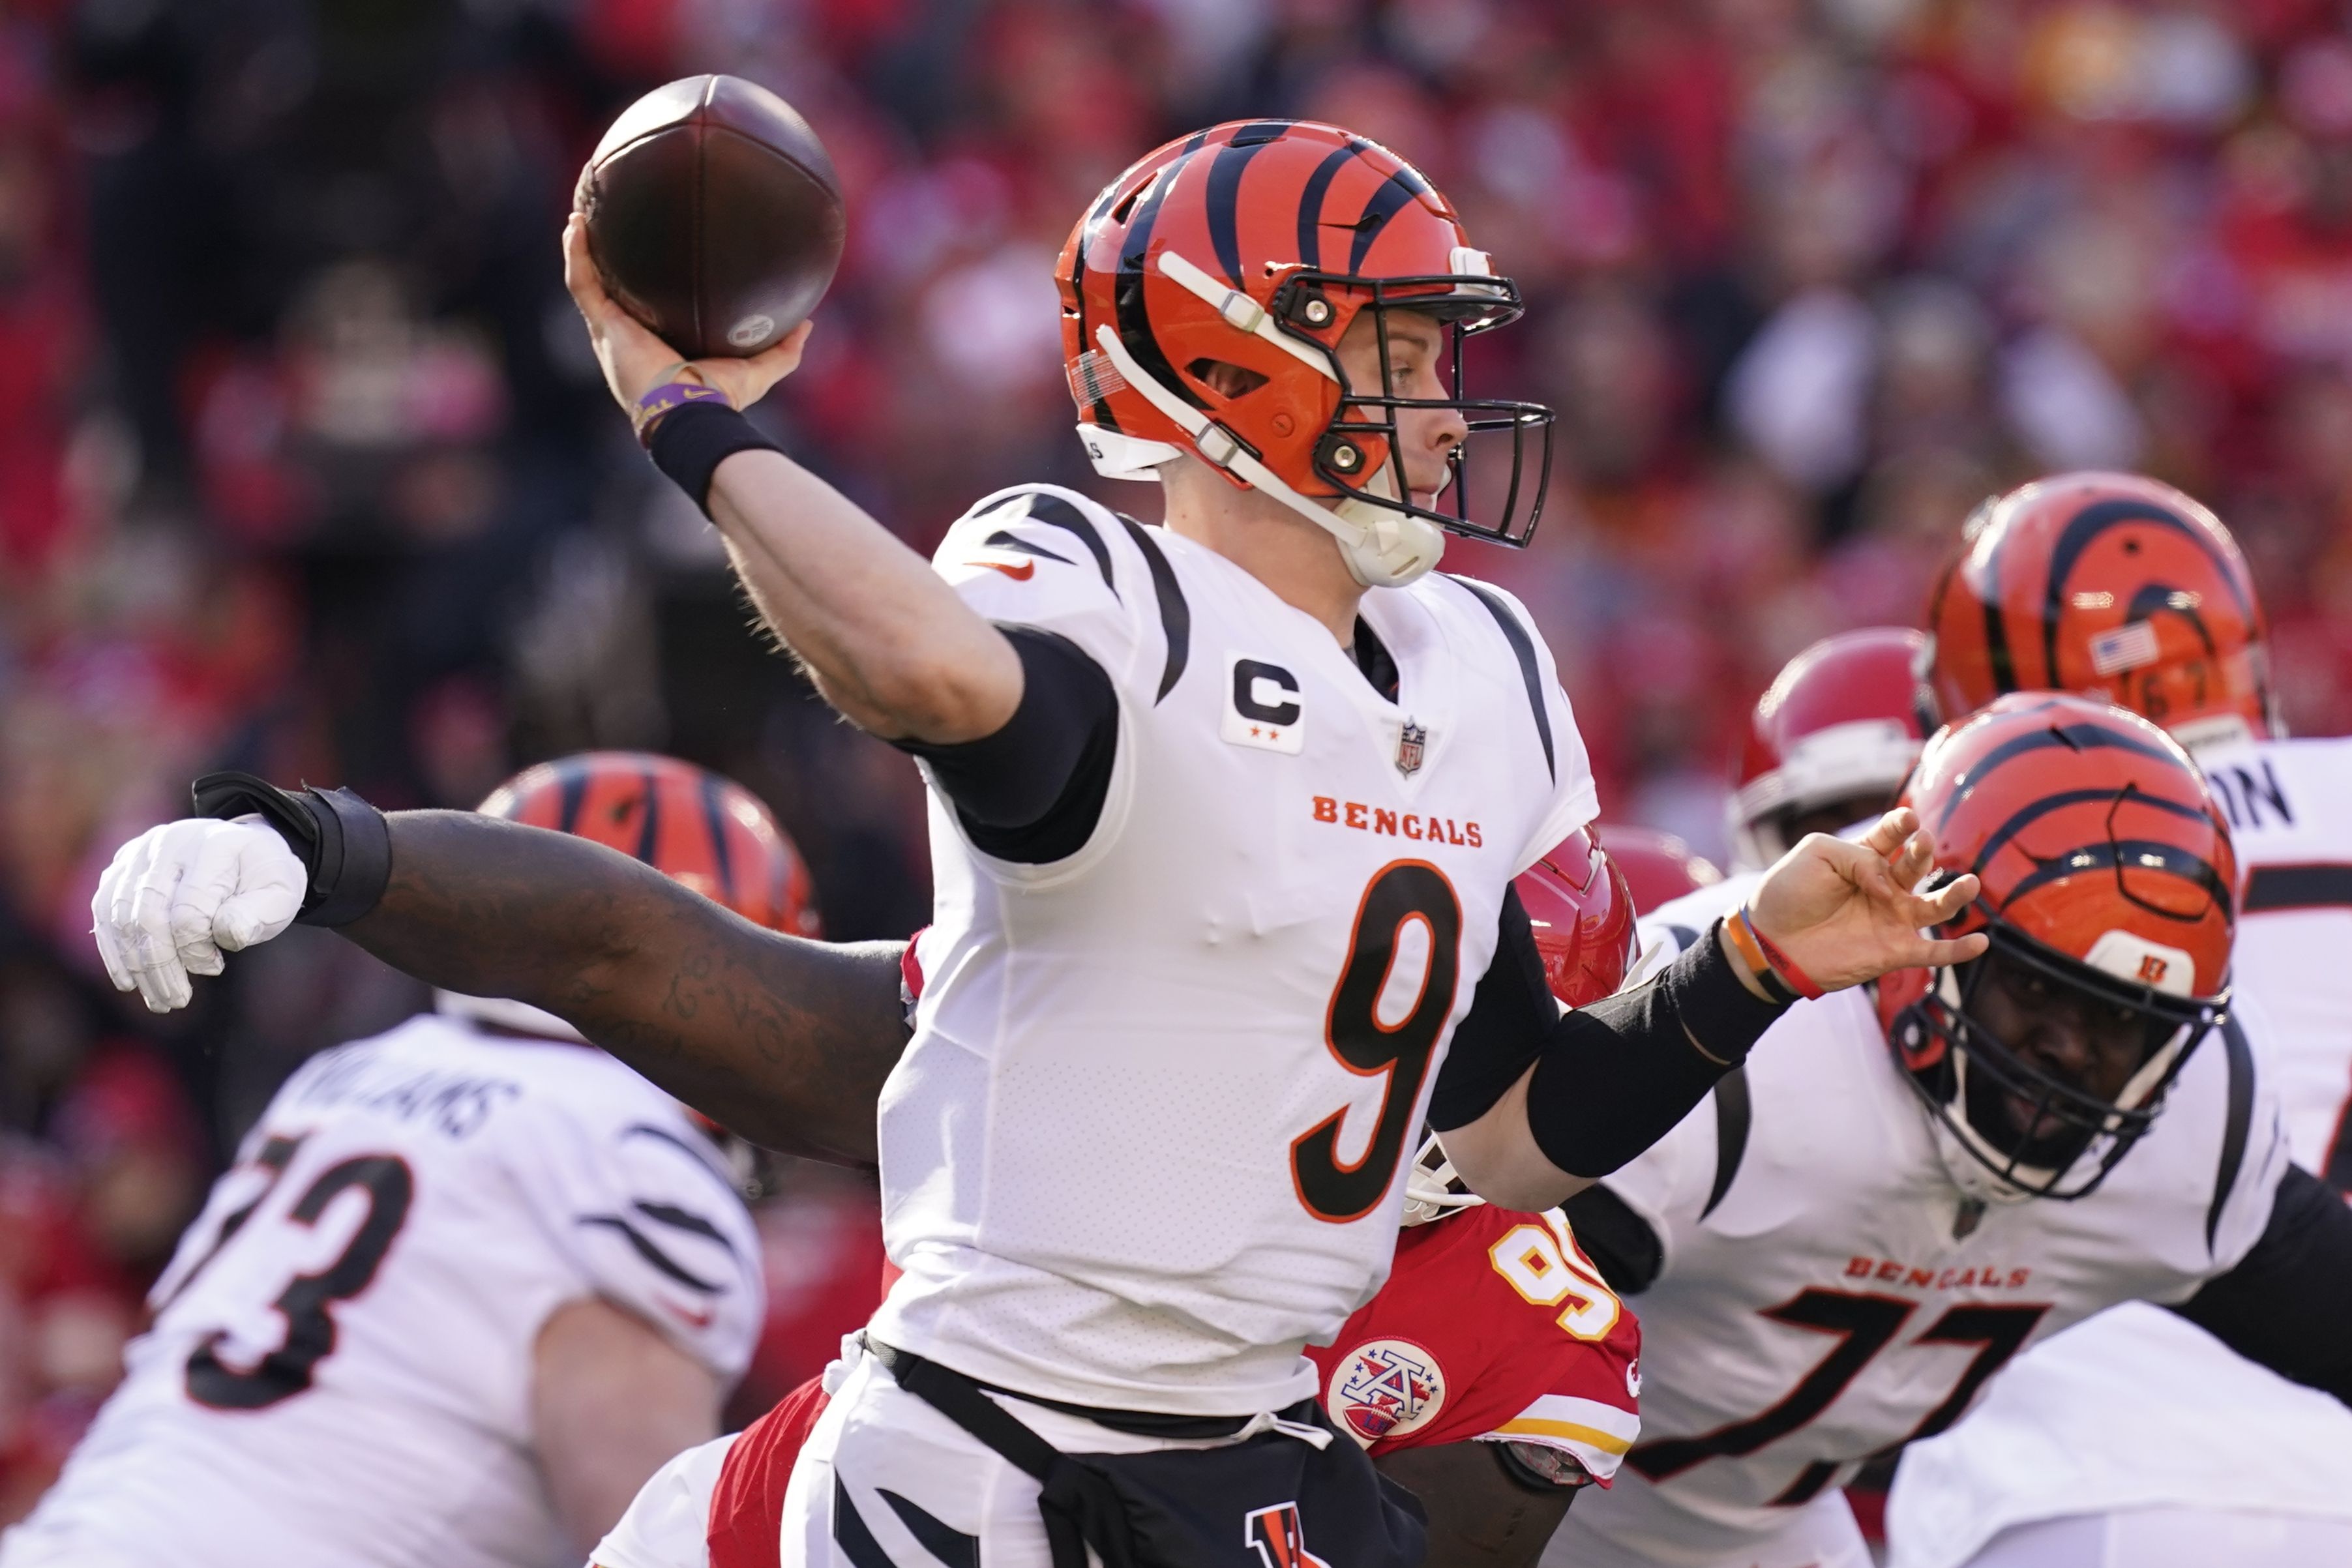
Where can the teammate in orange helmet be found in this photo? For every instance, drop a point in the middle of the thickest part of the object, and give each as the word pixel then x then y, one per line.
pixel 2113 585
pixel 2154 609
pixel 470 1282
pixel 1899 1193
pixel 696 828
pixel 1832 739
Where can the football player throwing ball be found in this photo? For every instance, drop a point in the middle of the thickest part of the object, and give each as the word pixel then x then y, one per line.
pixel 1224 816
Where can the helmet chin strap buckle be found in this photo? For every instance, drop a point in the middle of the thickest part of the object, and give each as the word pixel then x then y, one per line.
pixel 1219 446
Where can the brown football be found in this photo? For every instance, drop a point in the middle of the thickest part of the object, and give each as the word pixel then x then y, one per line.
pixel 713 216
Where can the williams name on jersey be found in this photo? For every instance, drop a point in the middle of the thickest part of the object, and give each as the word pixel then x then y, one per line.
pixel 340 1363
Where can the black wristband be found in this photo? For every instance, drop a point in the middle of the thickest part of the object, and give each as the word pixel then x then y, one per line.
pixel 689 444
pixel 1721 1016
pixel 345 844
pixel 1615 1077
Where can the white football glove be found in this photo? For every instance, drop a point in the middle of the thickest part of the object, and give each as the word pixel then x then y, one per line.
pixel 176 896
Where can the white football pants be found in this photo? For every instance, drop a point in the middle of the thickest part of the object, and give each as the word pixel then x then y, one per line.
pixel 885 1470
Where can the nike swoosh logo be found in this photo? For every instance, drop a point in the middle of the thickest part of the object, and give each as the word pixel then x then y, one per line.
pixel 694 1320
pixel 1021 573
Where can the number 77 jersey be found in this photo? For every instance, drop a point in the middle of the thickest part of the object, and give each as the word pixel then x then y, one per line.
pixel 1826 1292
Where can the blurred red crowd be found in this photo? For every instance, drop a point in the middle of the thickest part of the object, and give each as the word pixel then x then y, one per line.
pixel 303 467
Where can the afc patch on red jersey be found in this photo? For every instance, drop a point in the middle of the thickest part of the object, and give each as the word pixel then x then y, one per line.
pixel 1493 1326
pixel 1386 1388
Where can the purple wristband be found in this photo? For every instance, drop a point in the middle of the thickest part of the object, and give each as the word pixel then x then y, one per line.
pixel 666 397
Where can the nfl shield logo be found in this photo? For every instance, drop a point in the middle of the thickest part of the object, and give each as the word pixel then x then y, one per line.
pixel 1410 741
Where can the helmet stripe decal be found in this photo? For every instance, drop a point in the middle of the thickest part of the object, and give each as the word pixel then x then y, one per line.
pixel 648 830
pixel 572 780
pixel 2074 736
pixel 714 817
pixel 1104 416
pixel 1134 322
pixel 2154 598
pixel 2001 663
pixel 1224 191
pixel 1386 203
pixel 2035 811
pixel 1311 205
pixel 2149 854
pixel 2084 528
pixel 1402 186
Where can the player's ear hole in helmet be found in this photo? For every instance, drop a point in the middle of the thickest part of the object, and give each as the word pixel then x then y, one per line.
pixel 2108 905
pixel 1260 247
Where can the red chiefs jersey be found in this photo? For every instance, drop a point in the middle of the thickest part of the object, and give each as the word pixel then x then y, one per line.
pixel 1493 1326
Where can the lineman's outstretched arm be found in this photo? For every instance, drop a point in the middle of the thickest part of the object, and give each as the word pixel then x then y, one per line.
pixel 1534 1113
pixel 785 1041
pixel 888 642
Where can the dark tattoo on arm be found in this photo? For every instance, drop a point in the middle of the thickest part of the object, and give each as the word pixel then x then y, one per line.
pixel 785 1041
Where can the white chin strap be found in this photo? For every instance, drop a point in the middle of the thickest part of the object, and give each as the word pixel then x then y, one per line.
pixel 1429 1181
pixel 1383 548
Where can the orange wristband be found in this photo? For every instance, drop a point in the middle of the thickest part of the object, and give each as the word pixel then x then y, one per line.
pixel 1759 947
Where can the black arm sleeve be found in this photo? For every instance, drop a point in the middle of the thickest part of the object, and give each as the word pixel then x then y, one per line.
pixel 1612 1078
pixel 1497 1039
pixel 2288 1303
pixel 1033 791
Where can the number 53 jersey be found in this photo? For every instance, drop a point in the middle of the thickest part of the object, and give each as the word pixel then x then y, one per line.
pixel 1149 1138
pixel 341 1366
pixel 1824 1294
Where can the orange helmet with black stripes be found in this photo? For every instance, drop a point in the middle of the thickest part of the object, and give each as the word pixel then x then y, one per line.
pixel 1253 246
pixel 2108 885
pixel 685 821
pixel 2113 585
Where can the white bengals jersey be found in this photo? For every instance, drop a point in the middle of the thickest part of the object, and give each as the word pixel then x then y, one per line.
pixel 1825 1295
pixel 1149 1137
pixel 2078 1426
pixel 339 1369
